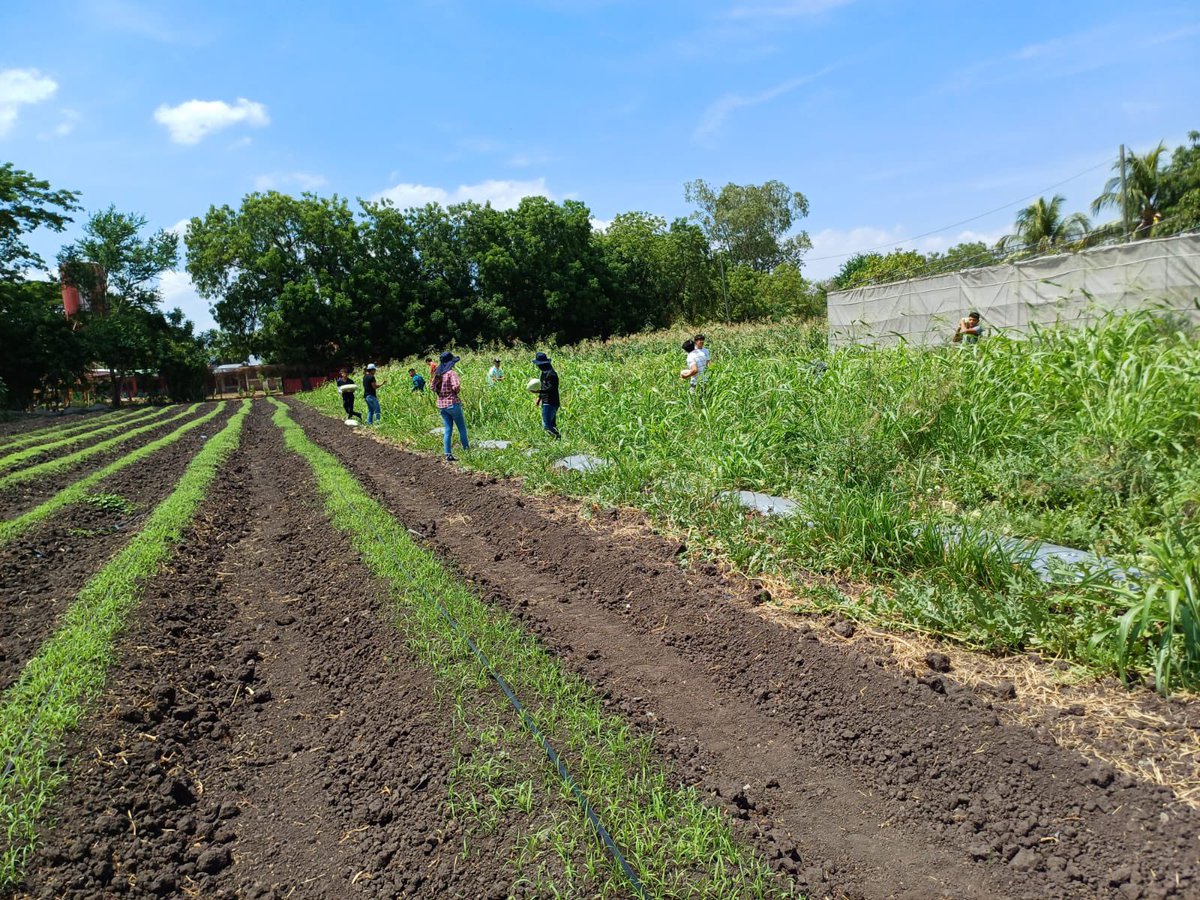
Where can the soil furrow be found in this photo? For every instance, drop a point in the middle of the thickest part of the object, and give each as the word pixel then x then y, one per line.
pixel 266 732
pixel 42 570
pixel 18 498
pixel 22 423
pixel 861 781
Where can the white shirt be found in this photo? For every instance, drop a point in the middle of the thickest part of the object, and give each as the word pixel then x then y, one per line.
pixel 699 359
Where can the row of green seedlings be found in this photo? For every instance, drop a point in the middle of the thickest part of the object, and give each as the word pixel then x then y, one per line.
pixel 1083 436
pixel 17 457
pixel 78 490
pixel 69 427
pixel 676 845
pixel 57 686
pixel 69 461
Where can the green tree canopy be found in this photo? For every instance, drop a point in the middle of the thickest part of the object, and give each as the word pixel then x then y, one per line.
pixel 1042 226
pixel 27 203
pixel 751 222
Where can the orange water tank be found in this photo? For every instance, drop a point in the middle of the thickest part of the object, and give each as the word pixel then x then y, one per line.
pixel 70 298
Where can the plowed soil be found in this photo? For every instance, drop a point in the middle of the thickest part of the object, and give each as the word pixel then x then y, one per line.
pixel 42 570
pixel 266 733
pixel 22 423
pixel 18 498
pixel 861 781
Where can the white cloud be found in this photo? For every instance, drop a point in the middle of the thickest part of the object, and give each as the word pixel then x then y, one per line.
pixel 21 87
pixel 599 224
pixel 194 120
pixel 178 291
pixel 502 194
pixel 717 112
pixel 832 246
pixel 275 181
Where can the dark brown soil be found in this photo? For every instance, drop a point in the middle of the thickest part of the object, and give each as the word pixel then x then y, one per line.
pixel 266 733
pixel 861 782
pixel 18 498
pixel 75 442
pixel 43 569
pixel 22 423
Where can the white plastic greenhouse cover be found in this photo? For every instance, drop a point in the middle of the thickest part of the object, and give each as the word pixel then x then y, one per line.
pixel 1067 288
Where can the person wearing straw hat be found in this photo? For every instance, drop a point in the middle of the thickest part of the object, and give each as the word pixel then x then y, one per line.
pixel 370 385
pixel 446 384
pixel 548 398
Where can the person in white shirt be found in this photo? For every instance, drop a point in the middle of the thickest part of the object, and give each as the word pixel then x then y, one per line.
pixel 697 362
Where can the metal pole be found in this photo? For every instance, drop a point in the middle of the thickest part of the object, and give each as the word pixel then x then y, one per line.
pixel 1124 199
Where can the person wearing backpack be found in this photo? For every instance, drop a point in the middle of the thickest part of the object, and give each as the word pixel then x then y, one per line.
pixel 446 384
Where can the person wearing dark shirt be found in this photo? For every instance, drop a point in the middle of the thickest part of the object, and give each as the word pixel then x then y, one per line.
pixel 548 398
pixel 418 381
pixel 370 386
pixel 346 387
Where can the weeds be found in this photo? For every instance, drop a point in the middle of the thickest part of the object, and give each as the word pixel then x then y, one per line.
pixel 70 668
pixel 1080 436
pixel 110 503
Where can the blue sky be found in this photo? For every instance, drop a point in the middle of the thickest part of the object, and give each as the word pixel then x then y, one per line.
pixel 894 118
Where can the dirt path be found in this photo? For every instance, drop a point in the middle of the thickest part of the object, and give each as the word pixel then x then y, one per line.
pixel 18 498
pixel 267 733
pixel 866 783
pixel 42 570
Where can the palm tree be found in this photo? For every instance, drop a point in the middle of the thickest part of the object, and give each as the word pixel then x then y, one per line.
pixel 1143 191
pixel 1042 226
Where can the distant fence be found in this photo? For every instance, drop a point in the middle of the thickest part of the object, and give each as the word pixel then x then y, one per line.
pixel 1066 288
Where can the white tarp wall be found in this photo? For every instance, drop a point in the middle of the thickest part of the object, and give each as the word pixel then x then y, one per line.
pixel 1068 288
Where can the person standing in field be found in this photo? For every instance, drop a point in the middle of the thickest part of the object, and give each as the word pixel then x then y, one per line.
pixel 432 368
pixel 970 330
pixel 548 398
pixel 446 384
pixel 370 386
pixel 495 373
pixel 346 387
pixel 697 362
pixel 418 381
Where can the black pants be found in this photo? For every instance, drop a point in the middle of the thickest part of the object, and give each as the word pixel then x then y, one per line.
pixel 348 405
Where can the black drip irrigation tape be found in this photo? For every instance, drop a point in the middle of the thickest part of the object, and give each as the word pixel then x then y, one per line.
pixel 593 819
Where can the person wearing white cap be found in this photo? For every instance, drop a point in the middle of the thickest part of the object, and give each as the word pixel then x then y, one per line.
pixel 370 386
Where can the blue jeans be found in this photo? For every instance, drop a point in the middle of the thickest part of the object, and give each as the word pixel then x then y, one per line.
pixel 550 418
pixel 374 413
pixel 451 416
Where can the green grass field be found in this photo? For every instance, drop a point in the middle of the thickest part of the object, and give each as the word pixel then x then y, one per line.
pixel 1082 437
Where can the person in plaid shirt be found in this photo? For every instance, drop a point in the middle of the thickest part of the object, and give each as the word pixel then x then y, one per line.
pixel 446 384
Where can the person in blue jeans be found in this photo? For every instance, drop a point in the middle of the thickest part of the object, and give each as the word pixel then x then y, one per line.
pixel 548 397
pixel 370 385
pixel 446 384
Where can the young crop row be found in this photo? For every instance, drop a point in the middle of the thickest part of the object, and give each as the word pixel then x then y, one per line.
pixel 18 456
pixel 78 490
pixel 70 668
pixel 675 845
pixel 71 460
pixel 1085 437
pixel 68 427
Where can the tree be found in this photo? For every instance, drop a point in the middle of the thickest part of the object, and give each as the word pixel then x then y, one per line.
pixel 1144 185
pixel 1181 188
pixel 42 353
pixel 749 224
pixel 1041 226
pixel 27 203
pixel 877 268
pixel 118 270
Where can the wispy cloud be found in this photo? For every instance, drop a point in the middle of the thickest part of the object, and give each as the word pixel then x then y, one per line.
pixel 144 20
pixel 721 109
pixel 194 120
pixel 501 193
pixel 787 9
pixel 833 246
pixel 275 181
pixel 21 87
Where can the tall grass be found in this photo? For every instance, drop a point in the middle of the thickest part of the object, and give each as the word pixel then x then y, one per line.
pixel 1085 437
